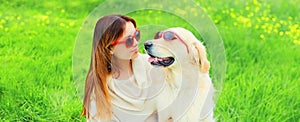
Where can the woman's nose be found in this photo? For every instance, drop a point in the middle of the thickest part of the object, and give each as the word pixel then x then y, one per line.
pixel 135 42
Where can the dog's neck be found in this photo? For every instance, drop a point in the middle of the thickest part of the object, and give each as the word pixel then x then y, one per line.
pixel 183 63
pixel 181 71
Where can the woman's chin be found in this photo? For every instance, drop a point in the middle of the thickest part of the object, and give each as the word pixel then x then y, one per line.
pixel 134 55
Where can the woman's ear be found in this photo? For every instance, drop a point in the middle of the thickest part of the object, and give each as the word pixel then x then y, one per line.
pixel 199 53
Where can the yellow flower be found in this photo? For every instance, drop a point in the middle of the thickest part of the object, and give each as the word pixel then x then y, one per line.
pixel 223 12
pixel 267 18
pixel 62 11
pixel 235 24
pixel 255 2
pixel 270 28
pixel 243 19
pixel 256 26
pixel 227 11
pixel 251 15
pixel 263 26
pixel 208 8
pixel 216 21
pixel 19 17
pixel 2 21
pixel 281 21
pixel 262 36
pixel 71 24
pixel 277 25
pixel 296 42
pixel 256 9
pixel 247 8
pixel 150 11
pixel 232 15
pixel 298 32
pixel 281 33
pixel 294 27
pixel 249 25
pixel 62 24
pixel 43 17
pixel 1 26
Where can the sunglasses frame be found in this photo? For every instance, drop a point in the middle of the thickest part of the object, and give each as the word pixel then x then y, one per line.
pixel 124 41
pixel 174 36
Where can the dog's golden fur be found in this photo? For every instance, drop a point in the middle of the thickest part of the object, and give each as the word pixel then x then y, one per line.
pixel 188 93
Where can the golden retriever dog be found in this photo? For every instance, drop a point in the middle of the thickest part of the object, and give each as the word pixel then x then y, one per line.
pixel 188 93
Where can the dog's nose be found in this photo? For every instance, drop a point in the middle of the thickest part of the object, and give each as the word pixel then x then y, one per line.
pixel 148 44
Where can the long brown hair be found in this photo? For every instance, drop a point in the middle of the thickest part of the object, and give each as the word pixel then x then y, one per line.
pixel 107 30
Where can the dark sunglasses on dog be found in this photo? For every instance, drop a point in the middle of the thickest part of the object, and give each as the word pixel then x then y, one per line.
pixel 129 40
pixel 168 36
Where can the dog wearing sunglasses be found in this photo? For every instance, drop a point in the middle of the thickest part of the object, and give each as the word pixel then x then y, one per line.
pixel 188 92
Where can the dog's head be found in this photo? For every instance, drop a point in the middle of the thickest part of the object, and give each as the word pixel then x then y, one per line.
pixel 176 45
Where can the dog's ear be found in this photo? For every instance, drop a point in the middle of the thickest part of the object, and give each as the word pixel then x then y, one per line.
pixel 199 53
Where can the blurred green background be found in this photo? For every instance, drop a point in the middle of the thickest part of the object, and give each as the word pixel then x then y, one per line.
pixel 261 39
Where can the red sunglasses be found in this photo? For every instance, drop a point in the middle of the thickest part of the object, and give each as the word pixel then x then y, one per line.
pixel 168 36
pixel 129 40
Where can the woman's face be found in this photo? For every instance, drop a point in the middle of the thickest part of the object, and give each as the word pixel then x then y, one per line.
pixel 120 50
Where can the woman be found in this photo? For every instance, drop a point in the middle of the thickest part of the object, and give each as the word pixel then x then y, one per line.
pixel 118 73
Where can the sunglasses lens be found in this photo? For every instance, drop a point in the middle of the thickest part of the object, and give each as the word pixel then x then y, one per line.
pixel 157 35
pixel 129 42
pixel 137 35
pixel 169 36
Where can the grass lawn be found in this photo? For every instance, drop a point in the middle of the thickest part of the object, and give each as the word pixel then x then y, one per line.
pixel 261 40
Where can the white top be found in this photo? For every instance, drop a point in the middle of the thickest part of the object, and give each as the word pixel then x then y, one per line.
pixel 130 97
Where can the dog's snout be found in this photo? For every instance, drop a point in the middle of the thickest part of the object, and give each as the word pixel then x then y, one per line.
pixel 148 44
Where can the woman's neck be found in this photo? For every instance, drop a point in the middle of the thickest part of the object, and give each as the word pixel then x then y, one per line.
pixel 124 70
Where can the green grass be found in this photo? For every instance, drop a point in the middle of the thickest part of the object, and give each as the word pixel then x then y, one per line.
pixel 262 72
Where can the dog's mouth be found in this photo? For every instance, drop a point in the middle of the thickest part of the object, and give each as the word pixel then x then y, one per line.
pixel 160 61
